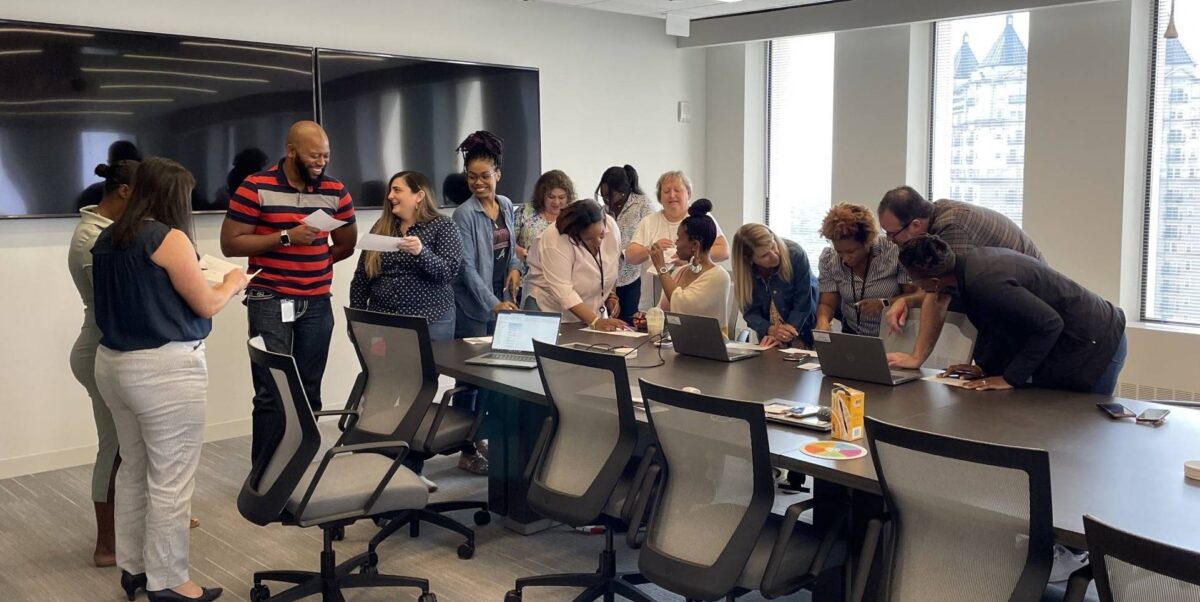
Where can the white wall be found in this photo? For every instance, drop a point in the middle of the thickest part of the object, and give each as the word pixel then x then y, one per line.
pixel 609 86
pixel 736 134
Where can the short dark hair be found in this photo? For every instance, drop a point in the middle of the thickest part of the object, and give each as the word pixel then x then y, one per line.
pixel 699 226
pixel 548 181
pixel 927 256
pixel 576 218
pixel 482 145
pixel 906 204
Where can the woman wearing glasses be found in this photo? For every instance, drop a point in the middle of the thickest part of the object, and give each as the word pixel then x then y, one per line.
pixel 860 271
pixel 573 267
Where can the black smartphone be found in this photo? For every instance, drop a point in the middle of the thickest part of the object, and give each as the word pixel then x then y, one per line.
pixel 1153 416
pixel 1115 410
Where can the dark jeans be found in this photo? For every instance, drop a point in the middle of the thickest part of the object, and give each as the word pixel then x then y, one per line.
pixel 466 327
pixel 1107 383
pixel 630 296
pixel 442 329
pixel 306 339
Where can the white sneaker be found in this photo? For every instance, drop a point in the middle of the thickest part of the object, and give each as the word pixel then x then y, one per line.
pixel 1066 561
pixel 428 484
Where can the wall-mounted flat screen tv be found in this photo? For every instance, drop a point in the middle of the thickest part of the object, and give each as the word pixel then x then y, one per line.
pixel 70 93
pixel 386 114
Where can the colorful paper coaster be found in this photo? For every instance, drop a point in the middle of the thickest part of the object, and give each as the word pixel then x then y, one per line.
pixel 834 450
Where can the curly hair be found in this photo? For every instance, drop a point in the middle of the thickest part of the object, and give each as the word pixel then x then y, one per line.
pixel 850 221
pixel 548 181
pixel 482 145
pixel 927 256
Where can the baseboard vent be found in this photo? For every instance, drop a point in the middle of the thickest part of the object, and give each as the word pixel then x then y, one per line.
pixel 1151 393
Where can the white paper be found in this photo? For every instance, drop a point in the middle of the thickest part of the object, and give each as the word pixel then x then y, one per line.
pixel 953 382
pixel 620 333
pixel 745 346
pixel 378 242
pixel 791 351
pixel 810 366
pixel 478 340
pixel 322 221
pixel 214 269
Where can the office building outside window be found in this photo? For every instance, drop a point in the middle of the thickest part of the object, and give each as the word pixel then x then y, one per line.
pixel 978 114
pixel 800 139
pixel 1171 274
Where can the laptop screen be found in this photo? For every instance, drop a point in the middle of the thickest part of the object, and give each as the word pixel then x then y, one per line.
pixel 516 331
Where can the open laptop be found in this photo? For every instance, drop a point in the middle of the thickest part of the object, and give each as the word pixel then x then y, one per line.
pixel 700 336
pixel 857 357
pixel 512 344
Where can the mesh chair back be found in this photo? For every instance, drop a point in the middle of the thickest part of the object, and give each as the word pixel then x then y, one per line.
pixel 1129 568
pixel 594 433
pixel 955 345
pixel 398 375
pixel 973 520
pixel 279 468
pixel 715 494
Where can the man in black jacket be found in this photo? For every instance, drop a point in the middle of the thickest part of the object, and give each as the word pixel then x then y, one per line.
pixel 1036 326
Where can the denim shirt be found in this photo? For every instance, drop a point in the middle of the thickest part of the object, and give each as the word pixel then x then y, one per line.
pixel 473 287
pixel 796 300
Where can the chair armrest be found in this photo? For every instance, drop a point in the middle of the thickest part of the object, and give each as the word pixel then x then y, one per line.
pixel 353 401
pixel 321 413
pixel 442 408
pixel 539 448
pixel 635 487
pixel 769 586
pixel 354 449
pixel 1077 585
pixel 651 487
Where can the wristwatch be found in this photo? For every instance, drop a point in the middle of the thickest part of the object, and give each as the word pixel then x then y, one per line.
pixel 664 270
pixel 886 302
pixel 284 238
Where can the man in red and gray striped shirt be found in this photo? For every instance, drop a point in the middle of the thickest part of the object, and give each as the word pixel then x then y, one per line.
pixel 288 302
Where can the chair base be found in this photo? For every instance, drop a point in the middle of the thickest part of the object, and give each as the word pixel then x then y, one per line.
pixel 433 514
pixel 604 584
pixel 333 578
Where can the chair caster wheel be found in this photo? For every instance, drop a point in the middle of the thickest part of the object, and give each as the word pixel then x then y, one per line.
pixel 513 595
pixel 483 517
pixel 260 593
pixel 380 521
pixel 427 597
pixel 338 533
pixel 466 551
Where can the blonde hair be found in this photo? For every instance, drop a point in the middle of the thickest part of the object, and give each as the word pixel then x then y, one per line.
pixel 848 221
pixel 746 241
pixel 673 175
pixel 389 225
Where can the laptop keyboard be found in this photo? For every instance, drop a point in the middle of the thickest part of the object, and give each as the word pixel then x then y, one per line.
pixel 509 357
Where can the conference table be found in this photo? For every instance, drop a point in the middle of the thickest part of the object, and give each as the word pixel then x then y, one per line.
pixel 1126 474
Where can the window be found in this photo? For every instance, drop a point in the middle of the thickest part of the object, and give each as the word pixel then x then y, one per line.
pixel 800 139
pixel 979 77
pixel 1172 218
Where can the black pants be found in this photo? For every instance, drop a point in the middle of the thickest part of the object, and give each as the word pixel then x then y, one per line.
pixel 629 296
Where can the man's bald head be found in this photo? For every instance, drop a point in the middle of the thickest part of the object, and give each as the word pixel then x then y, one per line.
pixel 307 150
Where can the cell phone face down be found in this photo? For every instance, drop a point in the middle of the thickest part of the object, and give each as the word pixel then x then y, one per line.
pixel 1115 410
pixel 1153 416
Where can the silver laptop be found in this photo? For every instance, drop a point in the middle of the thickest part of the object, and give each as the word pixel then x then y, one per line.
pixel 857 357
pixel 700 336
pixel 512 344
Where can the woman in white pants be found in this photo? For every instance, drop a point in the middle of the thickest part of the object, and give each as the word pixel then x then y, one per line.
pixel 154 309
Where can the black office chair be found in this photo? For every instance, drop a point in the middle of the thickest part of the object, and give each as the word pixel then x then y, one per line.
pixel 351 482
pixel 583 470
pixel 710 533
pixel 1130 568
pixel 398 373
pixel 965 520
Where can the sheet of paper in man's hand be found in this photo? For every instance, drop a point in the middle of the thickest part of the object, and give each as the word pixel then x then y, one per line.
pixel 322 221
pixel 214 269
pixel 378 242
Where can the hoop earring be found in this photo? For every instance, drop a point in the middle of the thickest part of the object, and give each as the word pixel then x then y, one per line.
pixel 694 265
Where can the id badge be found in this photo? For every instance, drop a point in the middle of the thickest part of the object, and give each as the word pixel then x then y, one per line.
pixel 287 310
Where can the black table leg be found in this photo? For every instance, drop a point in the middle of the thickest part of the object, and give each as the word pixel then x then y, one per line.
pixel 512 426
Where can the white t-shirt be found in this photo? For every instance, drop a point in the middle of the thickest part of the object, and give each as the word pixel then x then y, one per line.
pixel 655 227
pixel 707 295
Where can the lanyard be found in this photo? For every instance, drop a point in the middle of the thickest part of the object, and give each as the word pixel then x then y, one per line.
pixel 863 293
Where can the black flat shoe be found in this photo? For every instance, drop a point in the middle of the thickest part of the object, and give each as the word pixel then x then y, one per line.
pixel 169 595
pixel 132 583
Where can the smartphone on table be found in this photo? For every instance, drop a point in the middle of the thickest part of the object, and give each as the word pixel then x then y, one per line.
pixel 1115 410
pixel 1153 416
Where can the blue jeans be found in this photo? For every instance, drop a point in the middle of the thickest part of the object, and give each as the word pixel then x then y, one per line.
pixel 442 329
pixel 630 296
pixel 306 339
pixel 1107 383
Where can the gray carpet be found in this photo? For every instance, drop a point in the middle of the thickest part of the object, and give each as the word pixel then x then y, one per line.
pixel 47 533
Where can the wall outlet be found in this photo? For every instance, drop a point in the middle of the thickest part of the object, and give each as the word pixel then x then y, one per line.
pixel 685 111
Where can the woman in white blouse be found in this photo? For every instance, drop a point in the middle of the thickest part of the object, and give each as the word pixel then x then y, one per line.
pixel 701 288
pixel 573 267
pixel 658 229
